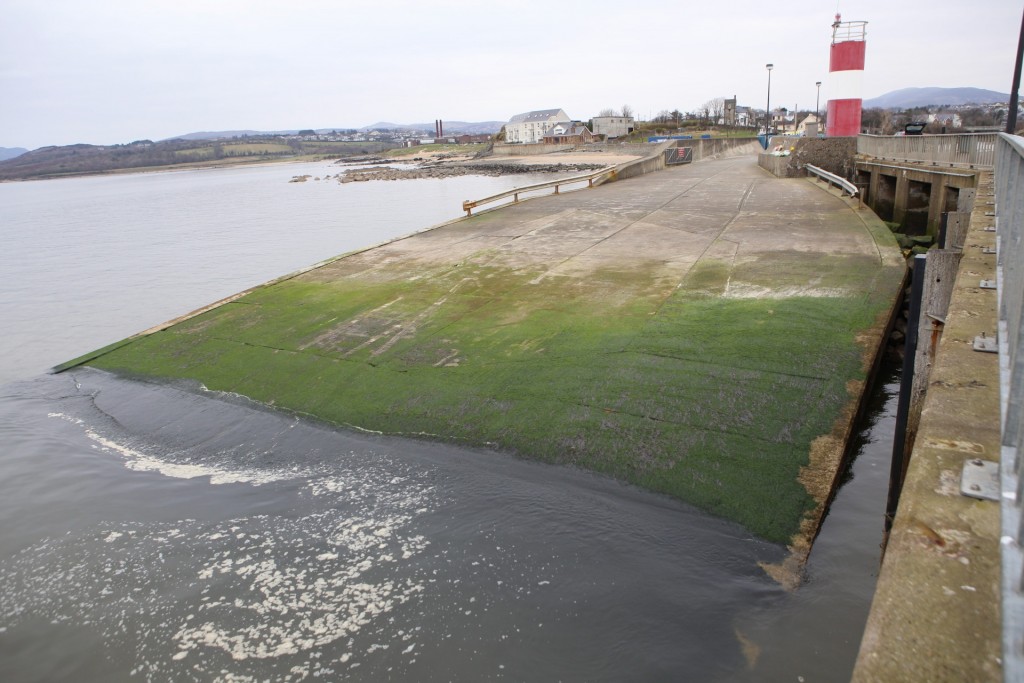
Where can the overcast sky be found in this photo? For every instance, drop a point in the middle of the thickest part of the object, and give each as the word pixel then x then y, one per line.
pixel 113 71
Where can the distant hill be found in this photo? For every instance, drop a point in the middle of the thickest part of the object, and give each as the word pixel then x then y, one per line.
pixel 450 128
pixel 924 97
pixel 85 159
pixel 222 134
pixel 11 152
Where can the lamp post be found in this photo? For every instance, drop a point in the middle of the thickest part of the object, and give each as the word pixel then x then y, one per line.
pixel 817 102
pixel 767 105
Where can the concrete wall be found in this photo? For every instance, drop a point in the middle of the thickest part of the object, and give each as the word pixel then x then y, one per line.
pixel 703 150
pixel 720 148
pixel 835 155
pixel 528 150
pixel 777 166
pixel 913 195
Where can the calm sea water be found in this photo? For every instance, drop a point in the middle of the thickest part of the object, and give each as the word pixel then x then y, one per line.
pixel 162 532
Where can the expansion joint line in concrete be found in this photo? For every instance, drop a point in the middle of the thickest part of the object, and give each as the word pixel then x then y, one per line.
pixel 661 206
pixel 703 361
pixel 718 237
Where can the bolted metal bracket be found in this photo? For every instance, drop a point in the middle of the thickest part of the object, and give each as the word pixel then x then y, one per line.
pixel 990 228
pixel 986 344
pixel 980 479
pixel 988 250
pixel 987 284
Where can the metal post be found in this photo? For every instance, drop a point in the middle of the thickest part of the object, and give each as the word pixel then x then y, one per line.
pixel 1011 117
pixel 768 104
pixel 817 106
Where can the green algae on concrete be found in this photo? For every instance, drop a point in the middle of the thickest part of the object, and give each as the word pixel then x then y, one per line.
pixel 679 331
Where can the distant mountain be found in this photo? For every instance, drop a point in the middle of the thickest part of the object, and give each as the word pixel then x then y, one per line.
pixel 219 134
pixel 11 152
pixel 924 97
pixel 450 127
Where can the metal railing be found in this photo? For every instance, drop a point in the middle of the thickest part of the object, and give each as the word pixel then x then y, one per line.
pixel 515 192
pixel 654 161
pixel 833 179
pixel 972 150
pixel 1009 191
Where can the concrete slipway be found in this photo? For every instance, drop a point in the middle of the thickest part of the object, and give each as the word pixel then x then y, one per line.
pixel 703 331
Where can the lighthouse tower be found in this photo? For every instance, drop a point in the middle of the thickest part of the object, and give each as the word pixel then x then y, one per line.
pixel 846 77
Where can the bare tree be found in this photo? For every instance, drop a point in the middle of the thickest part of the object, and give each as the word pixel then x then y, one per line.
pixel 705 113
pixel 718 109
pixel 627 110
pixel 607 112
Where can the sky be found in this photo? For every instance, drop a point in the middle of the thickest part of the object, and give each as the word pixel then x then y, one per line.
pixel 114 71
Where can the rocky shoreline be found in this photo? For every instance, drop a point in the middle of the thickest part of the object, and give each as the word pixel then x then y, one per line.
pixel 448 170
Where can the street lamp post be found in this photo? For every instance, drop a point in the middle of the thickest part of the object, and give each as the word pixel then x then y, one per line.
pixel 767 105
pixel 817 103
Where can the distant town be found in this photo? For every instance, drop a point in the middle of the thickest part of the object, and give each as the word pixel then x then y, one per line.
pixel 717 117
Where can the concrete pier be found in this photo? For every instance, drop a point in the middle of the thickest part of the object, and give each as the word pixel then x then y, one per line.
pixel 704 331
pixel 936 612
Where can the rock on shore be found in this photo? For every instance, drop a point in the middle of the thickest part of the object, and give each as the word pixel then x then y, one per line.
pixel 448 171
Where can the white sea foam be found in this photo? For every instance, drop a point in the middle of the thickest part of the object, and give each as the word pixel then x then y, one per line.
pixel 265 588
pixel 139 461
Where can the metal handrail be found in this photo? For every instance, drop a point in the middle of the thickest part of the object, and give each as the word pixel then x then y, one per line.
pixel 607 173
pixel 471 204
pixel 972 150
pixel 833 179
pixel 1009 195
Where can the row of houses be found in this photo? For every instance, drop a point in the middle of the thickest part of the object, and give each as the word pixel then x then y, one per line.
pixel 553 126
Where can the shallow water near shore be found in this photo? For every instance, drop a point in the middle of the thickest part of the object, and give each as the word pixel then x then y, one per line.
pixel 162 532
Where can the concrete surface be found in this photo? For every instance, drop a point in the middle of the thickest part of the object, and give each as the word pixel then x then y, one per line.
pixel 702 331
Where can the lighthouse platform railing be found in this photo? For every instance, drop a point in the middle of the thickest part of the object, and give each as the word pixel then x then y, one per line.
pixel 965 150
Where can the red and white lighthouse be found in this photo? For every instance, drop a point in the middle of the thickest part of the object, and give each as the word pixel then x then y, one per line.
pixel 846 78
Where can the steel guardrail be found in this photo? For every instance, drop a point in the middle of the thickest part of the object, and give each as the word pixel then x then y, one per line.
pixel 1009 196
pixel 471 204
pixel 971 150
pixel 604 174
pixel 833 179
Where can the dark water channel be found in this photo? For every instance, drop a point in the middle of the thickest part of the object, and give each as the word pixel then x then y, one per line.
pixel 166 533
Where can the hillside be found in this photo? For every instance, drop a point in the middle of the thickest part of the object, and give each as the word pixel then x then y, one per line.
pixel 49 162
pixel 924 97
pixel 450 128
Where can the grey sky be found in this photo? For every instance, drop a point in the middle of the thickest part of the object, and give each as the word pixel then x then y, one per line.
pixel 111 71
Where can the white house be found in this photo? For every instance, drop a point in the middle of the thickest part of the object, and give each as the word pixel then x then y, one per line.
pixel 810 118
pixel 745 117
pixel 613 126
pixel 530 127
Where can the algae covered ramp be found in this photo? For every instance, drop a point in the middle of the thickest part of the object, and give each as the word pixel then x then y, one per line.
pixel 699 331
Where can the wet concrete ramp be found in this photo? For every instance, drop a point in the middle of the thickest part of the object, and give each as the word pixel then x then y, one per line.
pixel 703 331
